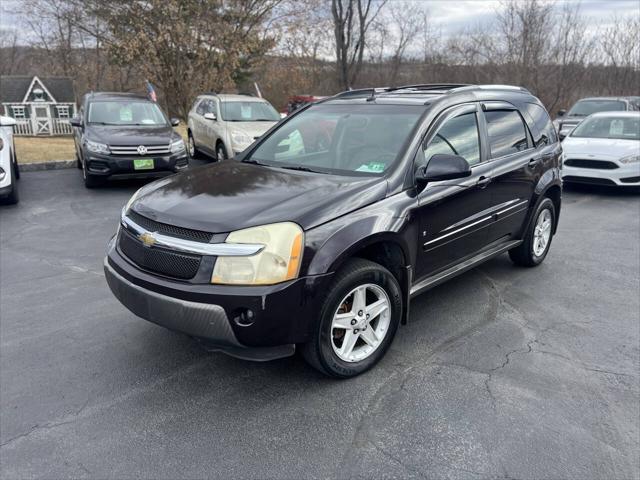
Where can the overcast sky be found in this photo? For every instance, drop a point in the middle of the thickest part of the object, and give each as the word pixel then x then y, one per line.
pixel 449 16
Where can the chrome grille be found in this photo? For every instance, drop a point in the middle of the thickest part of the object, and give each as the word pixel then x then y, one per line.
pixel 151 150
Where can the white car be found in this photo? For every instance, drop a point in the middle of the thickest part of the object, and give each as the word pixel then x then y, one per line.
pixel 221 126
pixel 9 172
pixel 604 150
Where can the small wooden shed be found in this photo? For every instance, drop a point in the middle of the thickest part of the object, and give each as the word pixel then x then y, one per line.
pixel 40 105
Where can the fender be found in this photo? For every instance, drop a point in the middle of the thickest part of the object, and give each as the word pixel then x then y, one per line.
pixel 551 178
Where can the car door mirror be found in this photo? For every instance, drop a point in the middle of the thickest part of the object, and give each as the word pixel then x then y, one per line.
pixel 175 122
pixel 444 167
pixel 75 122
pixel 561 113
pixel 210 116
pixel 7 122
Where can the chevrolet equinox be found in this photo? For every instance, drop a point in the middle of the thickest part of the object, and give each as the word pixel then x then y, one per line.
pixel 320 232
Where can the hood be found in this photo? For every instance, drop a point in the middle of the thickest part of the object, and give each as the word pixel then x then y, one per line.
pixel 599 147
pixel 253 129
pixel 232 195
pixel 131 134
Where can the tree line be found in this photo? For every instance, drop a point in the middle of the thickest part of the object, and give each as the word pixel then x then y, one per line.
pixel 320 47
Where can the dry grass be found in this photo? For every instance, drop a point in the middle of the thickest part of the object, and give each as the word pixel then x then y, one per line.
pixel 46 149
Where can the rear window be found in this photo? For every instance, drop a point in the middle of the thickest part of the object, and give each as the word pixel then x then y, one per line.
pixel 545 132
pixel 584 108
pixel 506 131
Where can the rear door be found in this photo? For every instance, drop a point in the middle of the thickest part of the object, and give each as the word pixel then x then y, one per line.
pixel 517 168
pixel 453 213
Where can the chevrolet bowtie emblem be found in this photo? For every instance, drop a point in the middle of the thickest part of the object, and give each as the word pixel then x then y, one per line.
pixel 147 239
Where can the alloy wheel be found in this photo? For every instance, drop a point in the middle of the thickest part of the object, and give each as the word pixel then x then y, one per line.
pixel 361 323
pixel 542 232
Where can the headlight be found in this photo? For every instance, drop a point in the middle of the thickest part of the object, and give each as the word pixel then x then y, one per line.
pixel 240 138
pixel 630 159
pixel 96 147
pixel 279 261
pixel 177 146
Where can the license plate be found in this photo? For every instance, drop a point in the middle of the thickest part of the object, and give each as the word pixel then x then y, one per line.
pixel 143 164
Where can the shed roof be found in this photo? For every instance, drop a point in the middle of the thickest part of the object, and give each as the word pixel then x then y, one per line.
pixel 13 88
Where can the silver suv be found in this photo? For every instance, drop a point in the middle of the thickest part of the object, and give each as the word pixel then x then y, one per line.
pixel 222 126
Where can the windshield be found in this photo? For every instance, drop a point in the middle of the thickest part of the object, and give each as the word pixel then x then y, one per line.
pixel 137 112
pixel 248 112
pixel 353 139
pixel 584 108
pixel 625 128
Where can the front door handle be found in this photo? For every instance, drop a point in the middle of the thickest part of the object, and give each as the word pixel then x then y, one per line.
pixel 534 161
pixel 483 182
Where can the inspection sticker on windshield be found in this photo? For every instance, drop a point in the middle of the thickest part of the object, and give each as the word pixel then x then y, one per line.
pixel 126 114
pixel 371 167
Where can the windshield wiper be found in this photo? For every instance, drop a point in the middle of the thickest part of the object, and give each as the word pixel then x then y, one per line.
pixel 301 168
pixel 253 162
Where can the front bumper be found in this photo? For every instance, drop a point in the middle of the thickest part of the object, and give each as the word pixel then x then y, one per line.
pixel 624 176
pixel 108 165
pixel 282 315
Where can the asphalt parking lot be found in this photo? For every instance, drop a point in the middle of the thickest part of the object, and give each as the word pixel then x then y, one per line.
pixel 503 372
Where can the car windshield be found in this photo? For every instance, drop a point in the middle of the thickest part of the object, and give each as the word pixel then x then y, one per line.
pixel 626 128
pixel 136 112
pixel 341 139
pixel 584 108
pixel 248 112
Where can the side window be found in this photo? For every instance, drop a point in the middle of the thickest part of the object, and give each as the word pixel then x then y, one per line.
pixel 457 136
pixel 200 108
pixel 546 132
pixel 507 132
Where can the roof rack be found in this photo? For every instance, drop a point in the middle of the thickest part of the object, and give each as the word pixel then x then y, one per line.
pixel 489 87
pixel 361 92
pixel 429 86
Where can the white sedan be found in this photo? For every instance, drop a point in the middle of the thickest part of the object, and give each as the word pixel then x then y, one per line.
pixel 604 150
pixel 9 172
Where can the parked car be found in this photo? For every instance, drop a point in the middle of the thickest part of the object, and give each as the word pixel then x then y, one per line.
pixel 322 244
pixel 9 171
pixel 567 121
pixel 124 135
pixel 221 126
pixel 604 150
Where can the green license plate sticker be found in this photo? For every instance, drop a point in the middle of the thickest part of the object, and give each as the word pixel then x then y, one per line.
pixel 143 164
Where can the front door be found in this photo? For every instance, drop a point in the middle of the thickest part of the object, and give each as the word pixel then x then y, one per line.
pixel 42 119
pixel 454 218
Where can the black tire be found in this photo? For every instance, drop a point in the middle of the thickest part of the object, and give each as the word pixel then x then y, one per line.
pixel 78 162
pixel 15 163
pixel 221 152
pixel 319 351
pixel 13 197
pixel 91 181
pixel 524 254
pixel 191 147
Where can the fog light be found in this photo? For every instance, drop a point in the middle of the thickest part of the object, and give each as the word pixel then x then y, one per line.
pixel 244 317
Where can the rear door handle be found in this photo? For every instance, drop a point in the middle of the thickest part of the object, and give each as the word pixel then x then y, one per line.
pixel 483 182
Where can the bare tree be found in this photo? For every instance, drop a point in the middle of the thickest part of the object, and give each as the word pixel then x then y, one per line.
pixel 351 22
pixel 9 51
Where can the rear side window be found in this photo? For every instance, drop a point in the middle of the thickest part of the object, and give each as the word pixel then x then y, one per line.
pixel 545 132
pixel 507 132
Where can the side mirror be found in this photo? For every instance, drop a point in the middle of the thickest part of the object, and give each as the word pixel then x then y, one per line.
pixel 210 116
pixel 75 122
pixel 175 122
pixel 561 113
pixel 444 167
pixel 7 122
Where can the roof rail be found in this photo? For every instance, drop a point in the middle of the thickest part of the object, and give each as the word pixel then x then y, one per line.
pixel 489 87
pixel 361 92
pixel 429 86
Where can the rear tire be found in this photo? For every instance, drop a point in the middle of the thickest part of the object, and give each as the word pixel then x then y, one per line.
pixel 367 331
pixel 13 197
pixel 537 239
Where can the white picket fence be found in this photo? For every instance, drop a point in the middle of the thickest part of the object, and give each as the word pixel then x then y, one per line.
pixel 39 126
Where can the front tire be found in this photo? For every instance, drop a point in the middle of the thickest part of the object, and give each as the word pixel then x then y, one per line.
pixel 537 239
pixel 221 152
pixel 13 197
pixel 193 151
pixel 90 181
pixel 358 320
